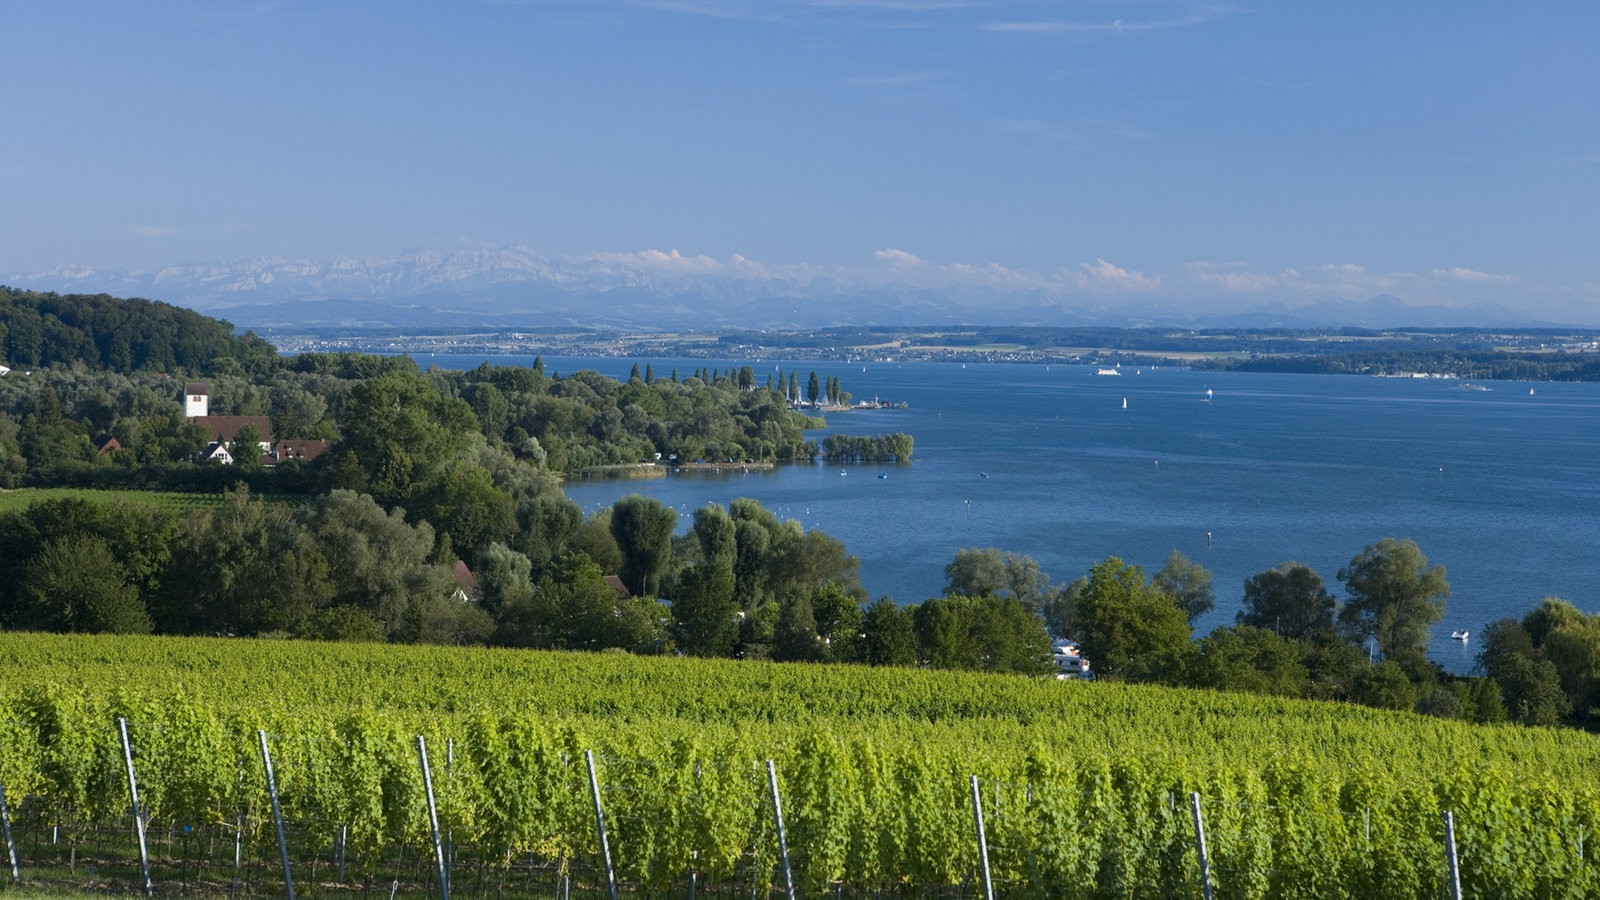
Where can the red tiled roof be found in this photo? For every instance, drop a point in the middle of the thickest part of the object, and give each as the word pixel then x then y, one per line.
pixel 226 428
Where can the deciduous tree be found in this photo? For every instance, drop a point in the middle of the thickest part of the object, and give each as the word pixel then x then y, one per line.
pixel 1394 597
pixel 1127 626
pixel 1289 600
pixel 1188 583
pixel 642 528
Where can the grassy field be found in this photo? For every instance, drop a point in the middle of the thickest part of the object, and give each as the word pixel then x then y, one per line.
pixel 13 501
pixel 175 501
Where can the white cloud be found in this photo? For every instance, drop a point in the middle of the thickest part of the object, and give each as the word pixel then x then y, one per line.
pixel 1236 277
pixel 152 231
pixel 670 261
pixel 1457 273
pixel 1340 269
pixel 1199 14
pixel 900 258
pixel 1105 274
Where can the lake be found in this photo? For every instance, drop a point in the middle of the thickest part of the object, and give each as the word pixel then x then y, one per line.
pixel 1498 485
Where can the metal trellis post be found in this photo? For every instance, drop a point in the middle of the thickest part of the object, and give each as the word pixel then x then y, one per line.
pixel 600 823
pixel 983 841
pixel 1450 852
pixel 433 819
pixel 11 847
pixel 138 812
pixel 1200 844
pixel 277 816
pixel 783 837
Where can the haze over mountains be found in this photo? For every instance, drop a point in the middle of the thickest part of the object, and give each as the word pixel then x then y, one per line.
pixel 514 286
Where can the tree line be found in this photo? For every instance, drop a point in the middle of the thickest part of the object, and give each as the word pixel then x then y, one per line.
pixel 741 583
pixel 1465 363
pixel 1292 637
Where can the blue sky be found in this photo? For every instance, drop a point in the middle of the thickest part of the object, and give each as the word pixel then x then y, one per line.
pixel 1196 152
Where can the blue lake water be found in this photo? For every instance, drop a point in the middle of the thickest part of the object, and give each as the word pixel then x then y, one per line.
pixel 1500 487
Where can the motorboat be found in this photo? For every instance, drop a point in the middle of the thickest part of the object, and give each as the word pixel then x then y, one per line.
pixel 1460 635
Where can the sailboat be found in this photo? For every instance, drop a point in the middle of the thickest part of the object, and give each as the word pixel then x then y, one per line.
pixel 1124 402
pixel 1208 393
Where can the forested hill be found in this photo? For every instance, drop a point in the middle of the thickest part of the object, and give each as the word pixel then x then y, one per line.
pixel 46 329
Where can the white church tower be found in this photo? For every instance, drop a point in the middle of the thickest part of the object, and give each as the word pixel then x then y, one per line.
pixel 196 399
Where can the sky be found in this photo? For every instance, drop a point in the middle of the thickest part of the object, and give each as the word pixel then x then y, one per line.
pixel 1202 153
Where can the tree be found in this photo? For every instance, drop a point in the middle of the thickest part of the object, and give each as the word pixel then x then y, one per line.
pixel 462 500
pixel 1568 639
pixel 993 572
pixel 813 389
pixel 796 638
pixel 1385 686
pixel 703 603
pixel 451 621
pixel 1248 659
pixel 1394 597
pixel 1289 600
pixel 572 607
pixel 799 563
pixel 984 633
pixel 887 635
pixel 1501 640
pixel 377 561
pixel 1012 638
pixel 1531 691
pixel 246 448
pixel 1188 583
pixel 1127 626
pixel 242 567
pixel 836 614
pixel 753 543
pixel 138 538
pixel 399 427
pixel 642 528
pixel 1333 666
pixel 75 584
pixel 504 576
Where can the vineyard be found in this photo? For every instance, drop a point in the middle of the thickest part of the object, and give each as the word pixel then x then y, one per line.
pixel 1085 789
pixel 172 501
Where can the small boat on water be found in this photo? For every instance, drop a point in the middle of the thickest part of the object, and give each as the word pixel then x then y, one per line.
pixel 1461 635
pixel 1124 402
pixel 1104 371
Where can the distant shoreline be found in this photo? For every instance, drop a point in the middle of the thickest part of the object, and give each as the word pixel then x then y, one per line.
pixel 1482 354
pixel 647 470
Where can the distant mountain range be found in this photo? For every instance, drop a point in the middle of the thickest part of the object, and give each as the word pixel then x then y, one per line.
pixel 514 287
